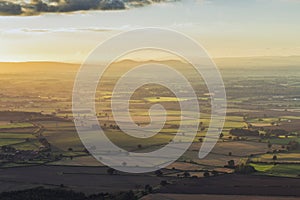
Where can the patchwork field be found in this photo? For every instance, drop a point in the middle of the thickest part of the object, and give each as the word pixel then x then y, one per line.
pixel 41 147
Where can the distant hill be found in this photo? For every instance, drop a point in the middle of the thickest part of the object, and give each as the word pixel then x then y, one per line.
pixel 230 62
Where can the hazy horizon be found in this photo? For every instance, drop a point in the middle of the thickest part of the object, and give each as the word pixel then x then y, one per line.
pixel 224 28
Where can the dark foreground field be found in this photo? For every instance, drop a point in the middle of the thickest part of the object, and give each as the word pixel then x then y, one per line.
pixel 95 180
pixel 89 180
pixel 234 184
pixel 212 197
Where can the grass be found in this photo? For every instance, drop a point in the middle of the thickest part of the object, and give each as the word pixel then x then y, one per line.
pixel 78 161
pixel 127 142
pixel 62 136
pixel 62 140
pixel 285 170
pixel 10 165
pixel 281 157
pixel 16 125
pixel 30 145
pixel 262 167
pixel 263 120
pixel 163 99
pixel 283 141
pixel 233 124
pixel 290 117
pixel 16 136
pixel 10 141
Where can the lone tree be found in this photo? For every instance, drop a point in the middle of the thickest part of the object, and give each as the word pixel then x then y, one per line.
pixel 164 183
pixel 148 188
pixel 206 174
pixel 111 171
pixel 221 135
pixel 231 164
pixel 269 145
pixel 158 173
pixel 186 174
pixel 215 173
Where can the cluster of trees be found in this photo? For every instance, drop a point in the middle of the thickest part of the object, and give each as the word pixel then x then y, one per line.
pixel 244 169
pixel 275 132
pixel 293 145
pixel 240 132
pixel 8 148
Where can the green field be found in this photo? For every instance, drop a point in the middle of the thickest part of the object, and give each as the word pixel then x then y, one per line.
pixel 10 141
pixel 12 135
pixel 281 157
pixel 283 141
pixel 28 145
pixel 287 170
pixel 163 99
pixel 16 125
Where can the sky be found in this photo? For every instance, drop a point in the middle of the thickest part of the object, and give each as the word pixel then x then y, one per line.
pixel 225 28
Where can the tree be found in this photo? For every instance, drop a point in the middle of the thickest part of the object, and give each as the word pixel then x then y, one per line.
pixel 274 158
pixel 272 123
pixel 163 183
pixel 158 173
pixel 245 169
pixel 240 132
pixel 206 174
pixel 269 145
pixel 148 188
pixel 231 164
pixel 293 145
pixel 215 173
pixel 221 135
pixel 186 174
pixel 111 171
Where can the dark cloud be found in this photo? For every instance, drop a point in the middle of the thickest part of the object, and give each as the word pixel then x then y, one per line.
pixel 15 7
pixel 9 8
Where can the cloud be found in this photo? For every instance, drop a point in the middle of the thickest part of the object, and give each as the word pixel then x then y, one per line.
pixel 10 8
pixel 33 7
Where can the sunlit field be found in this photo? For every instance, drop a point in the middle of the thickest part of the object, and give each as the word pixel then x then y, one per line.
pixel 37 128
